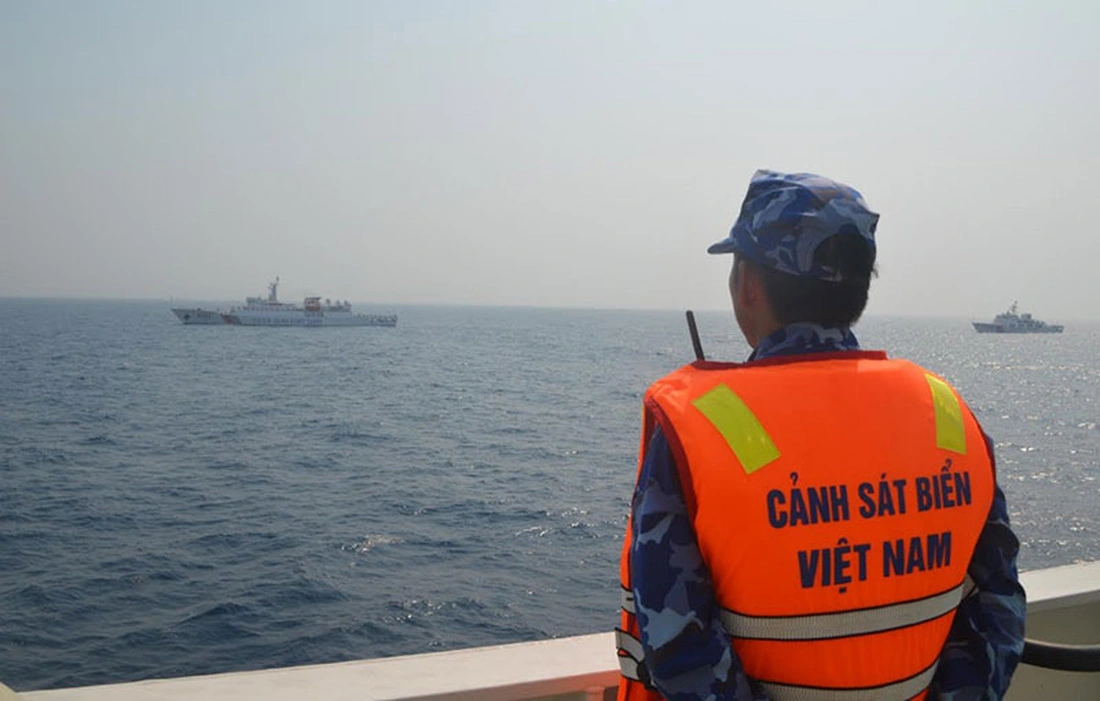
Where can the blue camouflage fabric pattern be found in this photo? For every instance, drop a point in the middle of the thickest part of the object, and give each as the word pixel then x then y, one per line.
pixel 687 651
pixel 786 216
pixel 800 338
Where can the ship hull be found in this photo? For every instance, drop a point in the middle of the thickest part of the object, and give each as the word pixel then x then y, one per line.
pixel 307 319
pixel 982 327
pixel 199 317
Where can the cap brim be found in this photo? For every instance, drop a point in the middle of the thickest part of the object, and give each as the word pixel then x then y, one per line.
pixel 726 245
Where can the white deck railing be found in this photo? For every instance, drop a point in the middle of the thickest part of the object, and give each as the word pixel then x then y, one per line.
pixel 1063 606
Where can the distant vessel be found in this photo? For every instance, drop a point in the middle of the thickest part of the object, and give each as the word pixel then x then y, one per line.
pixel 1011 322
pixel 269 311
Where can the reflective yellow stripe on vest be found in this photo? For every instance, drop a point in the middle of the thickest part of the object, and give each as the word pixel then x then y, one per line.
pixel 842 624
pixel 950 433
pixel 739 427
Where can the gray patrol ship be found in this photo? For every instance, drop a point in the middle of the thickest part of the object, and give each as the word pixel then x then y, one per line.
pixel 269 311
pixel 1012 322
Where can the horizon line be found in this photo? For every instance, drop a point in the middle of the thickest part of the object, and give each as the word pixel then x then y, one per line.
pixel 505 305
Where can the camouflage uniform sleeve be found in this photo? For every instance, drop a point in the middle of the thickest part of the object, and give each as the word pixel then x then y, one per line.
pixel 686 650
pixel 987 636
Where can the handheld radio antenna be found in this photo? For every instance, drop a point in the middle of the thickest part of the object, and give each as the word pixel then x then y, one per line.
pixel 694 331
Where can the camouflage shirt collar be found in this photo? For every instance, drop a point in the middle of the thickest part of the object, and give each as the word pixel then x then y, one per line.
pixel 797 339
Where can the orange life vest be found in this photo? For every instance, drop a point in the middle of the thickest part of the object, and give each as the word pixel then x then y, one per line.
pixel 837 500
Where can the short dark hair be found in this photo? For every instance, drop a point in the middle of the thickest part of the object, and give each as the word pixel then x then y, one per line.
pixel 798 299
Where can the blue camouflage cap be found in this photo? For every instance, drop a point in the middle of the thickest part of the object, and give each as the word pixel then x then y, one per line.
pixel 786 216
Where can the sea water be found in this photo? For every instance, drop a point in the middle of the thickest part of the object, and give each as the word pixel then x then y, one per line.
pixel 179 500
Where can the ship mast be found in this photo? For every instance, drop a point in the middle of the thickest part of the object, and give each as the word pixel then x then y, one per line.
pixel 272 288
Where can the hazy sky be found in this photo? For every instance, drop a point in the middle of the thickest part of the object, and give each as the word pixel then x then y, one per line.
pixel 546 153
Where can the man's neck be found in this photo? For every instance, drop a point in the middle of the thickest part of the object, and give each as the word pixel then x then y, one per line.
pixel 801 338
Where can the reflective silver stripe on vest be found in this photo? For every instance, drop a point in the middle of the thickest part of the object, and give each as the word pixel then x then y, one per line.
pixel 627 600
pixel 905 689
pixel 634 657
pixel 628 667
pixel 843 624
pixel 629 644
pixel 969 585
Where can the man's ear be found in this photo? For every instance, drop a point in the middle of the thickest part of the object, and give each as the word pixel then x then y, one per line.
pixel 749 287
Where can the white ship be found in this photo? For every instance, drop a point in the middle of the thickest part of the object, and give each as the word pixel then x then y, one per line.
pixel 1013 322
pixel 269 311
